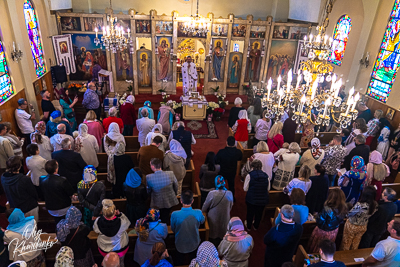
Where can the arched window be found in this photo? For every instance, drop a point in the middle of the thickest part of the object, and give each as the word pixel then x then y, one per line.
pixel 340 37
pixel 32 27
pixel 6 88
pixel 387 61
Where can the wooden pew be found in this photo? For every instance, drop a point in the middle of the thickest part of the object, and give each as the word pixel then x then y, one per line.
pixel 189 182
pixel 120 204
pixel 132 143
pixel 50 254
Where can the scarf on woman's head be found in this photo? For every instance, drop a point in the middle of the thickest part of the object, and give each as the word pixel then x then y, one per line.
pixel 315 150
pixel 357 168
pixel 236 230
pixel 114 134
pixel 207 256
pixel 72 221
pixel 147 104
pixel 130 99
pixel 220 182
pixel 19 224
pixel 118 150
pixel 83 134
pixel 157 126
pixel 153 215
pixel 243 115
pixel 40 129
pixel 375 157
pixel 64 257
pixel 133 179
pixel 176 148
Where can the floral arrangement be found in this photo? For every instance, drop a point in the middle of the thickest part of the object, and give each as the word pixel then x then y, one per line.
pixel 75 86
pixel 221 101
pixel 213 105
pixel 176 105
pixel 122 99
pixel 218 113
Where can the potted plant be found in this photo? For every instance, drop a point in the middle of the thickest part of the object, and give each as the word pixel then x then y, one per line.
pixel 221 100
pixel 218 113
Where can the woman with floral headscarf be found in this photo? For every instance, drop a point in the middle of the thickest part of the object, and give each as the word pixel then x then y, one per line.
pixel 128 115
pixel 90 194
pixel 314 155
pixel 147 105
pixel 352 181
pixel 150 230
pixel 237 244
pixel 242 128
pixel 65 257
pixel 86 145
pixel 68 107
pixel 166 117
pixel 38 137
pixel 377 171
pixel 136 195
pixel 156 131
pixel 73 233
pixel 207 256
pixel 19 229
pixel 218 207
pixel 308 134
pixel 174 160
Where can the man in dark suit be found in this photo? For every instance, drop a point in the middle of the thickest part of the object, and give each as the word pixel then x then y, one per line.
pixel 56 190
pixel 361 150
pixel 71 164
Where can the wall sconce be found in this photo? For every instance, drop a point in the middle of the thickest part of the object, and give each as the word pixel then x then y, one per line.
pixel 365 61
pixel 16 55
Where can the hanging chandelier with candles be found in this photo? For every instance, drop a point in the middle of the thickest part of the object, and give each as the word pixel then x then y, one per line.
pixel 308 101
pixel 113 37
pixel 196 25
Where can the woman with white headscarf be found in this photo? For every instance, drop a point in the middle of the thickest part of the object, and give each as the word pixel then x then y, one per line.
pixel 314 155
pixel 174 160
pixel 118 166
pixel 242 128
pixel 112 138
pixel 86 145
pixel 156 131
pixel 128 115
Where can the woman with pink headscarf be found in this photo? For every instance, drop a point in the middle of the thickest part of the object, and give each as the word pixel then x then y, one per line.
pixel 377 171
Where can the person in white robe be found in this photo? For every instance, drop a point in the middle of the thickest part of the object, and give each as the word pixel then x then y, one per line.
pixel 86 145
pixel 189 76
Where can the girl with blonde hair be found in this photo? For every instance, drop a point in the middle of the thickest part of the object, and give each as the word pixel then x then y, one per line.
pixel 275 137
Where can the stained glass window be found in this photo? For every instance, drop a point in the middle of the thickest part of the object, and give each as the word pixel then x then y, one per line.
pixel 32 27
pixel 387 61
pixel 6 88
pixel 340 37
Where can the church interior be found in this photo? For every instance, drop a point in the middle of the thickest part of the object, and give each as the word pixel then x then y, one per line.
pixel 316 58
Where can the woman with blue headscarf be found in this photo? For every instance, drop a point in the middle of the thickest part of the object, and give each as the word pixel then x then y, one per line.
pixel 352 181
pixel 90 194
pixel 147 105
pixel 21 229
pixel 136 195
pixel 218 207
pixel 72 232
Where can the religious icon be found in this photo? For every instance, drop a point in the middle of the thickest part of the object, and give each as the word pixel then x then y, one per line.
pixel 90 24
pixel 253 62
pixel 219 30
pixel 235 63
pixel 63 47
pixel 298 33
pixel 390 113
pixel 143 26
pixel 124 65
pixel 70 23
pixel 163 50
pixel 217 59
pixel 281 32
pixel 282 58
pixel 183 33
pixel 164 27
pixel 239 30
pixel 144 67
pixel 257 31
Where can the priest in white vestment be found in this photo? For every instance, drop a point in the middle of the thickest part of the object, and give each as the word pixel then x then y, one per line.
pixel 189 76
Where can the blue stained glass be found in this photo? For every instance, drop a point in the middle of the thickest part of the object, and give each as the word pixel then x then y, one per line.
pixel 6 88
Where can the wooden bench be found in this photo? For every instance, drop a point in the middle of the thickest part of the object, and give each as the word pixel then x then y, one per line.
pixel 45 219
pixel 347 257
pixel 50 254
pixel 189 182
pixel 132 143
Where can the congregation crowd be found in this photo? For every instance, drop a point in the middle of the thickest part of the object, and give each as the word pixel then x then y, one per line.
pixel 61 170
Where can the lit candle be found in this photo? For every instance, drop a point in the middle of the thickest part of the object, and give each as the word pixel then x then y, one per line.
pixel 333 82
pixel 14 46
pixel 351 92
pixel 269 85
pixel 349 102
pixel 279 83
pixel 305 38
pixel 311 37
pixel 298 80
pixel 289 81
pixel 104 30
pixel 325 38
pixel 314 89
pixel 96 30
pixel 327 103
pixel 356 98
pixel 280 93
pixel 129 32
pixel 338 85
pixel 330 41
pixel 318 38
